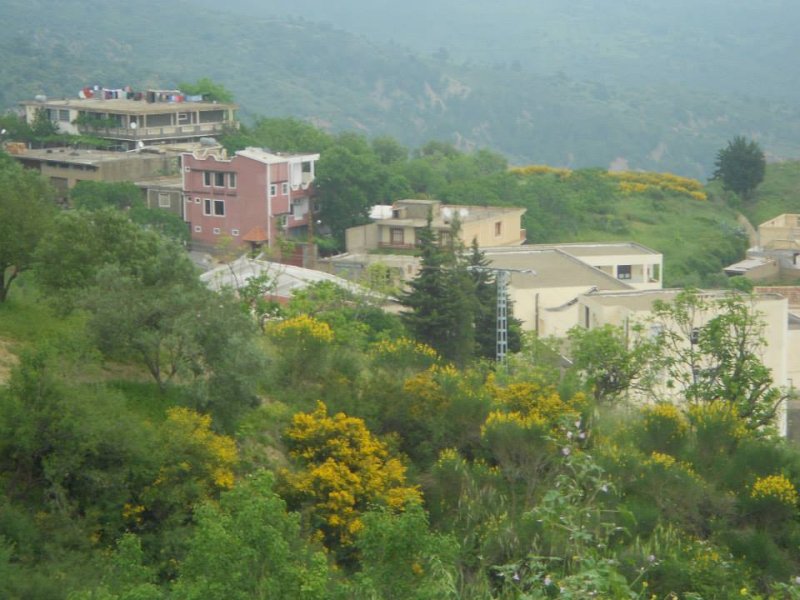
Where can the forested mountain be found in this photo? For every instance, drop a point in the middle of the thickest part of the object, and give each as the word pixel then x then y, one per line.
pixel 292 65
pixel 731 46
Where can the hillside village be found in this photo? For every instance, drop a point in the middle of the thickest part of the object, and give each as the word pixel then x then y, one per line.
pixel 384 360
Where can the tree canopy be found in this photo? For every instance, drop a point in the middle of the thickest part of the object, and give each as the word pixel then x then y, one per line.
pixel 740 166
pixel 26 214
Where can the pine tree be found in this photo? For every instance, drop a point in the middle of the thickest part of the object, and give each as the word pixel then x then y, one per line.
pixel 486 307
pixel 441 299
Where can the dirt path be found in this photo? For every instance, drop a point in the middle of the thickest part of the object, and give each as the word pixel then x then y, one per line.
pixel 7 360
pixel 752 234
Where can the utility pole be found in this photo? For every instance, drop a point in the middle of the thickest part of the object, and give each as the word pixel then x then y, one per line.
pixel 502 277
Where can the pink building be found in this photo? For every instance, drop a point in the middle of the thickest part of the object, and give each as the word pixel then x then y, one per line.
pixel 254 196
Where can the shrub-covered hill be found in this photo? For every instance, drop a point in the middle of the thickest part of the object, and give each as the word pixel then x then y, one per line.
pixel 697 233
pixel 778 194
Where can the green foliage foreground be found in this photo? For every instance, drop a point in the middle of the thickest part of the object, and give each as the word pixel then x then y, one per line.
pixel 156 443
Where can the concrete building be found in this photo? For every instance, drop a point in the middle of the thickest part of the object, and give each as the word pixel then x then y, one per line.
pixel 164 192
pixel 545 297
pixel 65 167
pixel 780 233
pixel 777 255
pixel 133 119
pixel 255 196
pixel 638 266
pixel 396 227
pixel 626 309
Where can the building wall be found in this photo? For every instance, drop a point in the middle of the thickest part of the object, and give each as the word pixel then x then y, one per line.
pixel 772 310
pixel 262 197
pixel 646 270
pixel 782 232
pixel 534 306
pixel 364 237
pixel 501 230
pixel 165 199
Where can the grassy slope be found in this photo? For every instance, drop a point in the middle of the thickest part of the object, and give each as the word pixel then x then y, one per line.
pixel 778 194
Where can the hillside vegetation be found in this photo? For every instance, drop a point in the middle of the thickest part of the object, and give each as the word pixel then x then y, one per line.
pixel 285 66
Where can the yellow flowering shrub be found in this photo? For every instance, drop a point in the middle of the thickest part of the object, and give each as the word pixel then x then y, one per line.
pixel 209 456
pixel 717 426
pixel 631 182
pixel 196 465
pixel 664 427
pixel 429 391
pixel 343 469
pixel 777 487
pixel 302 327
pixel 532 398
pixel 403 353
pixel 541 170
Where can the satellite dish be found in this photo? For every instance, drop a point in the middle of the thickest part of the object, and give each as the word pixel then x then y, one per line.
pixel 140 144
pixel 133 125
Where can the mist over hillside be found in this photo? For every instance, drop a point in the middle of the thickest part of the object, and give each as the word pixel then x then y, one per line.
pixel 630 86
pixel 714 45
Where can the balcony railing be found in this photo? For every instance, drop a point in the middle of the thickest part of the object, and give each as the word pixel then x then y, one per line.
pixel 149 133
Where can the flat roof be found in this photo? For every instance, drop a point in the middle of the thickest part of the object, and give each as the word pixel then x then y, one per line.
pixel 82 157
pixel 747 264
pixel 641 300
pixel 267 157
pixel 474 213
pixel 553 268
pixel 595 248
pixel 165 181
pixel 129 106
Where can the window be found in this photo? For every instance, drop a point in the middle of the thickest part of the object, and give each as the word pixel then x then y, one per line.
pixel 216 230
pixel 656 273
pixel 215 208
pixel 215 178
pixel 284 188
pixel 164 200
pixel 63 115
pixel 397 236
pixel 445 238
pixel 198 229
pixel 273 190
pixel 231 180
pixel 498 228
pixel 624 272
pixel 235 232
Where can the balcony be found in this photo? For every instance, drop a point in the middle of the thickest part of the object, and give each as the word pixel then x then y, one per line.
pixel 157 133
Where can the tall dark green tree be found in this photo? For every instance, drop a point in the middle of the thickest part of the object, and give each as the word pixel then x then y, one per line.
pixel 441 300
pixel 485 284
pixel 741 166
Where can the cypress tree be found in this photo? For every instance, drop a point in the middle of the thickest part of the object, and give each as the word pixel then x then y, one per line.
pixel 441 299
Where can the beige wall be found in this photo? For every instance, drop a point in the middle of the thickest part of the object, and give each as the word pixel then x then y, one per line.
pixel 782 232
pixel 643 268
pixel 772 310
pixel 364 237
pixel 485 230
pixel 770 270
pixel 535 306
